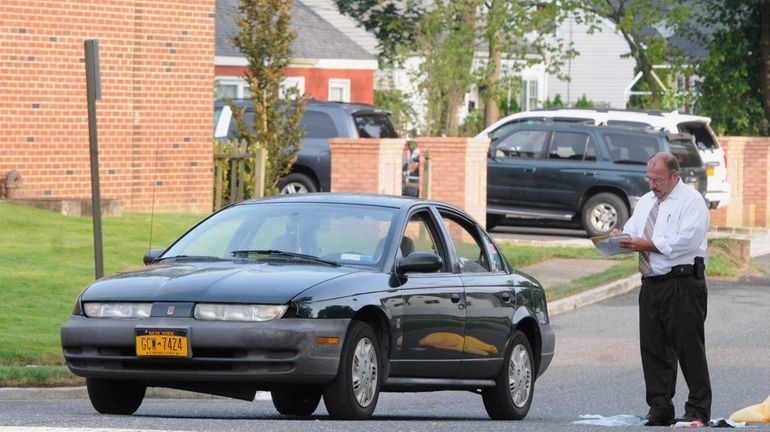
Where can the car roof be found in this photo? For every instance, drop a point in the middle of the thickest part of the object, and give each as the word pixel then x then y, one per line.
pixel 654 117
pixel 394 201
pixel 583 126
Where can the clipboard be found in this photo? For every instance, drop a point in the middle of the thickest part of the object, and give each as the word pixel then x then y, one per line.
pixel 610 245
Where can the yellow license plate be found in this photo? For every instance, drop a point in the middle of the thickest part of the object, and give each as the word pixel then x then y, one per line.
pixel 161 343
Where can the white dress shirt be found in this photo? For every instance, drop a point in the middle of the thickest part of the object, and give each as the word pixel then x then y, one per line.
pixel 680 228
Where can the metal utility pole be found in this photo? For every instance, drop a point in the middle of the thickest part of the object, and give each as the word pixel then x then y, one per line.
pixel 94 92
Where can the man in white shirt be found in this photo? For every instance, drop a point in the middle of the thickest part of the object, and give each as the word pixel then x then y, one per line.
pixel 668 229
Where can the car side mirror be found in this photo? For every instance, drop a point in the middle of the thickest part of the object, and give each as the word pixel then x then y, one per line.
pixel 152 255
pixel 419 262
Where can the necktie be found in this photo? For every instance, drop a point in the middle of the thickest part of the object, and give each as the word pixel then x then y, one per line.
pixel 644 257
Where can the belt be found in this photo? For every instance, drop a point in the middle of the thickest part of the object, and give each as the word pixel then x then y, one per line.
pixel 677 271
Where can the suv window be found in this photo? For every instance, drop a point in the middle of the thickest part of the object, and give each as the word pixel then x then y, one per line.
pixel 703 138
pixel 627 148
pixel 317 125
pixel 573 146
pixel 374 125
pixel 525 144
pixel 685 153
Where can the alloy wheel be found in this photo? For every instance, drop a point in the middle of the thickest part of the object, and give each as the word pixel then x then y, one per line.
pixel 520 376
pixel 364 372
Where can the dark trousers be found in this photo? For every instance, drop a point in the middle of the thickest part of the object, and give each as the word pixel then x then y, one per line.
pixel 671 317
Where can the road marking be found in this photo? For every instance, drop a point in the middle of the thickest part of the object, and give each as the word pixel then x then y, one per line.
pixel 57 429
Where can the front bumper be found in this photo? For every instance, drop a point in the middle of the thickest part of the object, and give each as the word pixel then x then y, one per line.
pixel 278 351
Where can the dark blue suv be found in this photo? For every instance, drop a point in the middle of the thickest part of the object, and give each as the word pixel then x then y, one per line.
pixel 321 121
pixel 578 173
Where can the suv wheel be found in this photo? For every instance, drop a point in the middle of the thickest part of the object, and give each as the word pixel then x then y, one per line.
pixel 296 183
pixel 603 212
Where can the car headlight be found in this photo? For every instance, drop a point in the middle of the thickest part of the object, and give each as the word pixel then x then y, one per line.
pixel 230 312
pixel 117 310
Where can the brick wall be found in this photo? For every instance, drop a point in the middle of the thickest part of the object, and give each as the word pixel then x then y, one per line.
pixel 366 165
pixel 155 115
pixel 747 173
pixel 459 172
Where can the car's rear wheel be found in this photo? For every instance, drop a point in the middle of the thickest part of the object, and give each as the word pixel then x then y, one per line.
pixel 295 183
pixel 511 397
pixel 603 212
pixel 115 397
pixel 296 400
pixel 354 391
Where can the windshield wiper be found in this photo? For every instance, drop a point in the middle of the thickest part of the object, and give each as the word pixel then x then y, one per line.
pixel 313 258
pixel 191 258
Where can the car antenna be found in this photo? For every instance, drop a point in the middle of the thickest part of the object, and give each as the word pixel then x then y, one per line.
pixel 154 186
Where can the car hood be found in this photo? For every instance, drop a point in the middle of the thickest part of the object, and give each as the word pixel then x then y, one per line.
pixel 213 282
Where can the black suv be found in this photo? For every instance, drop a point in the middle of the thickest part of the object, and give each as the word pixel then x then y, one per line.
pixel 594 175
pixel 321 121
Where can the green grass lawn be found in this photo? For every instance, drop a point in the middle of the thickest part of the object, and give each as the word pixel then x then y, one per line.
pixel 46 259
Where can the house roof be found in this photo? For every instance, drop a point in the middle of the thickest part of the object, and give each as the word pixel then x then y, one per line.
pixel 316 37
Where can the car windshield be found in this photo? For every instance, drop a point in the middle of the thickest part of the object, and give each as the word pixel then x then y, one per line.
pixel 340 233
pixel 374 125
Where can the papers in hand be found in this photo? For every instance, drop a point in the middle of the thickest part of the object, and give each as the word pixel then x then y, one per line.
pixel 610 245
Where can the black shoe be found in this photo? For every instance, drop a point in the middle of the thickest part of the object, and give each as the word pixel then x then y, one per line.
pixel 658 421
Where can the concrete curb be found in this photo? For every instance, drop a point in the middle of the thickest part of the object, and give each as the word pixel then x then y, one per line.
pixel 595 295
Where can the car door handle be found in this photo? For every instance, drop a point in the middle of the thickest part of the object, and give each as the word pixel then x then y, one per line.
pixel 533 169
pixel 506 297
pixel 455 298
pixel 591 173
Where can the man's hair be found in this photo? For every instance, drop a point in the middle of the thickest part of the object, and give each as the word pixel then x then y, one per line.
pixel 670 160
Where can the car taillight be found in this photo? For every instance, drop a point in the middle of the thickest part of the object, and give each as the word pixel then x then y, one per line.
pixel 710 168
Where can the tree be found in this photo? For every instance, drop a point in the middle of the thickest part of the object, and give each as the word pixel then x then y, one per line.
pixel 446 35
pixel 634 19
pixel 734 90
pixel 523 34
pixel 265 40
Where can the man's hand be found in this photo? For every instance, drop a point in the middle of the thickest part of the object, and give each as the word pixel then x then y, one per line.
pixel 638 244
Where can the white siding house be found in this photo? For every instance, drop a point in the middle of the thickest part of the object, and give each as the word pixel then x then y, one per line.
pixel 598 71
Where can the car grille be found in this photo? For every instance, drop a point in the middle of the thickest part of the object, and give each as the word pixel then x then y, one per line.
pixel 203 360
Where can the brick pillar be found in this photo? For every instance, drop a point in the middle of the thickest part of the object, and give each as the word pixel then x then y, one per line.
pixel 748 160
pixel 459 175
pixel 367 165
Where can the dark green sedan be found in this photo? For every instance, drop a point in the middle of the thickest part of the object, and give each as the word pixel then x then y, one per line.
pixel 339 296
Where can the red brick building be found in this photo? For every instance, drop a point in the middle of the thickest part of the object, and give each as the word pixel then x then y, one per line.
pixel 327 64
pixel 155 114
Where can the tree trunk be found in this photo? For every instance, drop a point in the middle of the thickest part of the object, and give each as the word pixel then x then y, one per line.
pixel 491 110
pixel 764 53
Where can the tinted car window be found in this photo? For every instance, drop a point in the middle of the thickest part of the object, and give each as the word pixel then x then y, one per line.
pixel 685 153
pixel 628 148
pixel 318 125
pixel 573 146
pixel 375 125
pixel 470 252
pixel 703 138
pixel 523 144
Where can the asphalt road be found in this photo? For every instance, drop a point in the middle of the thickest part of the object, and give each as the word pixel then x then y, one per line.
pixel 596 371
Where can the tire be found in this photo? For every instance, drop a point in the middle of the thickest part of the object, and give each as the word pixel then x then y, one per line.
pixel 603 212
pixel 353 393
pixel 115 397
pixel 296 400
pixel 511 397
pixel 295 183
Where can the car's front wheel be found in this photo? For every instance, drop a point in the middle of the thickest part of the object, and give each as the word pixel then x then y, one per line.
pixel 115 397
pixel 353 393
pixel 511 397
pixel 295 183
pixel 603 212
pixel 296 400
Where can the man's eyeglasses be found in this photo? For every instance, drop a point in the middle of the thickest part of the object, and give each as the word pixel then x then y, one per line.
pixel 656 181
